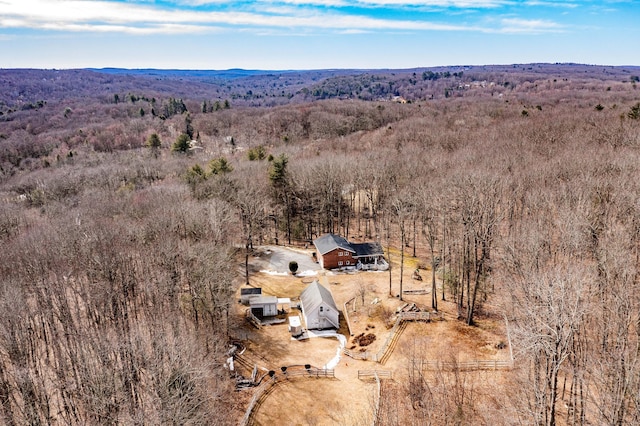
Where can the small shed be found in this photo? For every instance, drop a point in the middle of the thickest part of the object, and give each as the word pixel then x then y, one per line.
pixel 295 327
pixel 318 308
pixel 247 293
pixel 264 306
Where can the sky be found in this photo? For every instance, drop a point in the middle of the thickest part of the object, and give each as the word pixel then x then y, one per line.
pixel 315 34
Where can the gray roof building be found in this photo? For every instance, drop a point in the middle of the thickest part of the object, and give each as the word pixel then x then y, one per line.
pixel 318 307
pixel 334 251
pixel 330 242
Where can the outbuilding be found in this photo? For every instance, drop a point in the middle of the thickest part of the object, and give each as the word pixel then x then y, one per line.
pixel 264 306
pixel 247 293
pixel 318 308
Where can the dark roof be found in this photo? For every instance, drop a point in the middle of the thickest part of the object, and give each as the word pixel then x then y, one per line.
pixel 250 290
pixel 330 242
pixel 367 249
pixel 314 295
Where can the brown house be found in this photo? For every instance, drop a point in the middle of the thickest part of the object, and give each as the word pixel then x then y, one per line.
pixel 334 251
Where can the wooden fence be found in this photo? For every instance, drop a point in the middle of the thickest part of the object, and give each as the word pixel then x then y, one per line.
pixel 414 316
pixel 268 383
pixel 372 374
pixel 381 356
pixel 377 397
pixel 260 393
pixel 252 319
pixel 392 338
pixel 365 356
pixel 315 372
pixel 345 312
pixel 477 364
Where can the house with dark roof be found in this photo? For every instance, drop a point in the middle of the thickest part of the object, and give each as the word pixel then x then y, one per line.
pixel 318 308
pixel 334 251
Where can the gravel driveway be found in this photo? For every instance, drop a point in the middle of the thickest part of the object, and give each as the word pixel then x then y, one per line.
pixel 281 256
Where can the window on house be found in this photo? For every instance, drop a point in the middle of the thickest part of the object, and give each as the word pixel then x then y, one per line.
pixel 321 308
pixel 339 253
pixel 340 263
pixel 347 262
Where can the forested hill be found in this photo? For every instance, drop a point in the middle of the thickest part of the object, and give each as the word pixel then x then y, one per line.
pixel 30 88
pixel 131 201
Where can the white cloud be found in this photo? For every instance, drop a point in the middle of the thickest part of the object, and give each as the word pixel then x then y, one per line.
pixel 325 3
pixel 161 29
pixel 104 16
pixel 552 3
pixel 460 4
pixel 200 2
pixel 529 26
pixel 354 31
pixel 463 4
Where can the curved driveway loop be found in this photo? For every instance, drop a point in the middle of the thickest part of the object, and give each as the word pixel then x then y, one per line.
pixel 281 256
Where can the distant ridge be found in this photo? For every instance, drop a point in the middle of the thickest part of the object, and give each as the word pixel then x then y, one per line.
pixel 227 74
pixel 30 88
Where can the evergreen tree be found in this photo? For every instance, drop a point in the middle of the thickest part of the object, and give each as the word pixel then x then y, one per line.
pixel 219 166
pixel 282 188
pixel 188 126
pixel 182 143
pixel 257 153
pixel 153 141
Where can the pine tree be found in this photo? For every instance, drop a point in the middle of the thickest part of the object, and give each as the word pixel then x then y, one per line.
pixel 182 144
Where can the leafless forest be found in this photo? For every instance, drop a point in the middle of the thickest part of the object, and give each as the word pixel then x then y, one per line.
pixel 129 205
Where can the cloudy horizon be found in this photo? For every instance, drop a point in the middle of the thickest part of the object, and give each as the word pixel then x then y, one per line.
pixel 308 34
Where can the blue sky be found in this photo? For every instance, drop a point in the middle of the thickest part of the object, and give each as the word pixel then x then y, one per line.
pixel 313 34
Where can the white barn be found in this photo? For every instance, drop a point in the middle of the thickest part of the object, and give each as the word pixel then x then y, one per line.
pixel 318 308
pixel 264 306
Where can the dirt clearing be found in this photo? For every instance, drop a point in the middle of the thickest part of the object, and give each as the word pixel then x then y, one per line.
pixel 372 311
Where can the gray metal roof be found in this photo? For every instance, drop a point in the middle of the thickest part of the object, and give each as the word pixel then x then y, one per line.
pixel 263 300
pixel 330 242
pixel 314 295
